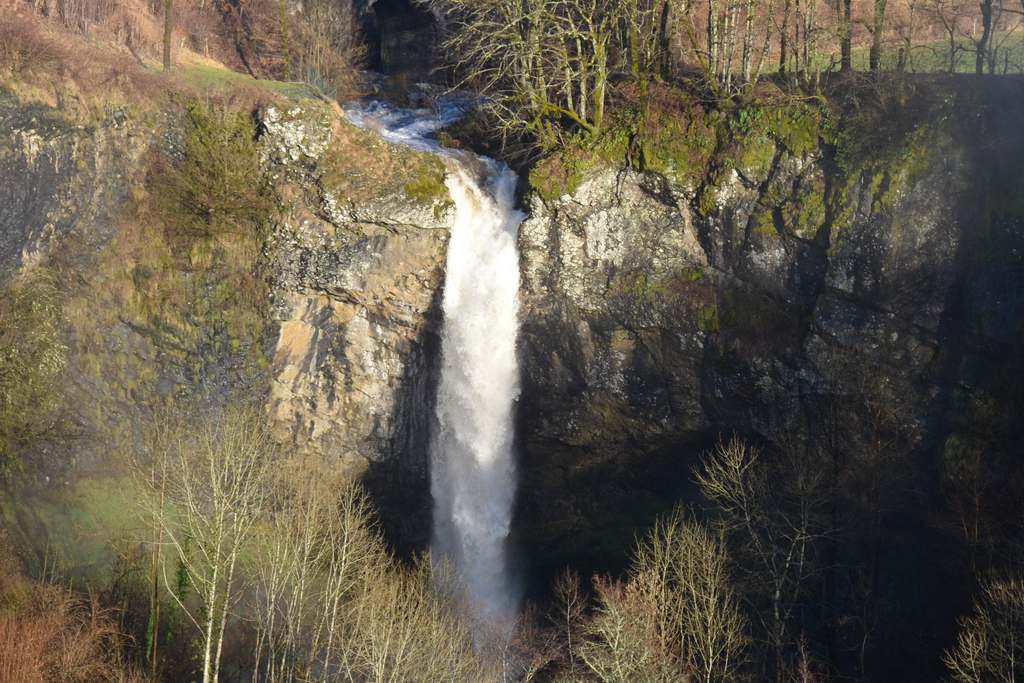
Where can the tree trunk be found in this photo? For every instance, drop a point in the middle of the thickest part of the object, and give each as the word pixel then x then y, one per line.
pixel 767 43
pixel 784 36
pixel 168 25
pixel 600 85
pixel 982 45
pixel 729 40
pixel 713 38
pixel 665 31
pixel 846 37
pixel 282 11
pixel 875 57
pixel 224 615
pixel 154 633
pixel 748 42
pixel 208 675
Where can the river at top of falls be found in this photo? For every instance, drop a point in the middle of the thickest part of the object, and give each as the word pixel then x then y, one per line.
pixel 472 461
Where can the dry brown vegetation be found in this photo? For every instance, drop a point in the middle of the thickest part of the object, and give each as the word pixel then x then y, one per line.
pixel 86 57
pixel 48 634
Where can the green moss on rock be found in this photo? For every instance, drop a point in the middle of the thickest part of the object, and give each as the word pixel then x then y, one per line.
pixel 426 182
pixel 707 318
pixel 680 146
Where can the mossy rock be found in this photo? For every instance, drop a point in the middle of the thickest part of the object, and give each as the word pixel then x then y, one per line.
pixel 426 182
pixel 679 147
pixel 562 172
pixel 360 167
pixel 756 157
pixel 763 224
pixel 556 176
pixel 758 128
pixel 707 318
pixel 804 213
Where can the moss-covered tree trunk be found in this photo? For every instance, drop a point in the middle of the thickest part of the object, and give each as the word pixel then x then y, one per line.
pixel 846 37
pixel 982 44
pixel 875 56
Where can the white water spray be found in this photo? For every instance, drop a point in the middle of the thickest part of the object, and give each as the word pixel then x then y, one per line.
pixel 472 464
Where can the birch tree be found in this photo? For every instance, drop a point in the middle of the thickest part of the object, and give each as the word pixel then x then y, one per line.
pixel 773 518
pixel 311 557
pixel 211 481
pixel 990 644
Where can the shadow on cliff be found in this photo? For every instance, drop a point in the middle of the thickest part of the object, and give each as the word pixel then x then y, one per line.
pixel 982 325
pixel 399 486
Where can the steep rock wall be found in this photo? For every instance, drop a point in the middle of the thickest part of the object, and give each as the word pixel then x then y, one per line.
pixel 774 285
pixel 341 344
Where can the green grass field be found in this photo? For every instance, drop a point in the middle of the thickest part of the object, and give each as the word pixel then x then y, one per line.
pixel 215 78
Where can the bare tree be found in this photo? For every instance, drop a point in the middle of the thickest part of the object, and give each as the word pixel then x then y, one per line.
pixel 676 617
pixel 545 63
pixel 684 570
pixel 569 618
pixel 209 484
pixel 330 46
pixel 948 15
pixel 774 519
pixel 404 630
pixel 310 560
pixel 990 644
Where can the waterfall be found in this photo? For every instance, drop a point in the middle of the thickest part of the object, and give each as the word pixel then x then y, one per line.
pixel 472 464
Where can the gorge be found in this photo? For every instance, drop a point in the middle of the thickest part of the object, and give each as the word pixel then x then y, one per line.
pixel 527 369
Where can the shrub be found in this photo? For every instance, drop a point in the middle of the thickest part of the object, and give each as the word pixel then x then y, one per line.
pixel 32 359
pixel 49 634
pixel 216 187
pixel 25 48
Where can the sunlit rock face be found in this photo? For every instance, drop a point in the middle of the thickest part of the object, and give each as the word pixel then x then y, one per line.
pixel 59 179
pixel 355 300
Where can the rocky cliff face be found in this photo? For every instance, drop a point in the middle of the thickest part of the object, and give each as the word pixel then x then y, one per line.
pixel 342 343
pixel 756 283
pixel 60 178
pixel 355 290
pixel 358 265
pixel 787 284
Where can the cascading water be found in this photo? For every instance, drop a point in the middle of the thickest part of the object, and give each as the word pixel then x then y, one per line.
pixel 472 464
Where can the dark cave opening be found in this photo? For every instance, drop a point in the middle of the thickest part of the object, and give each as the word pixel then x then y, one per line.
pixel 402 38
